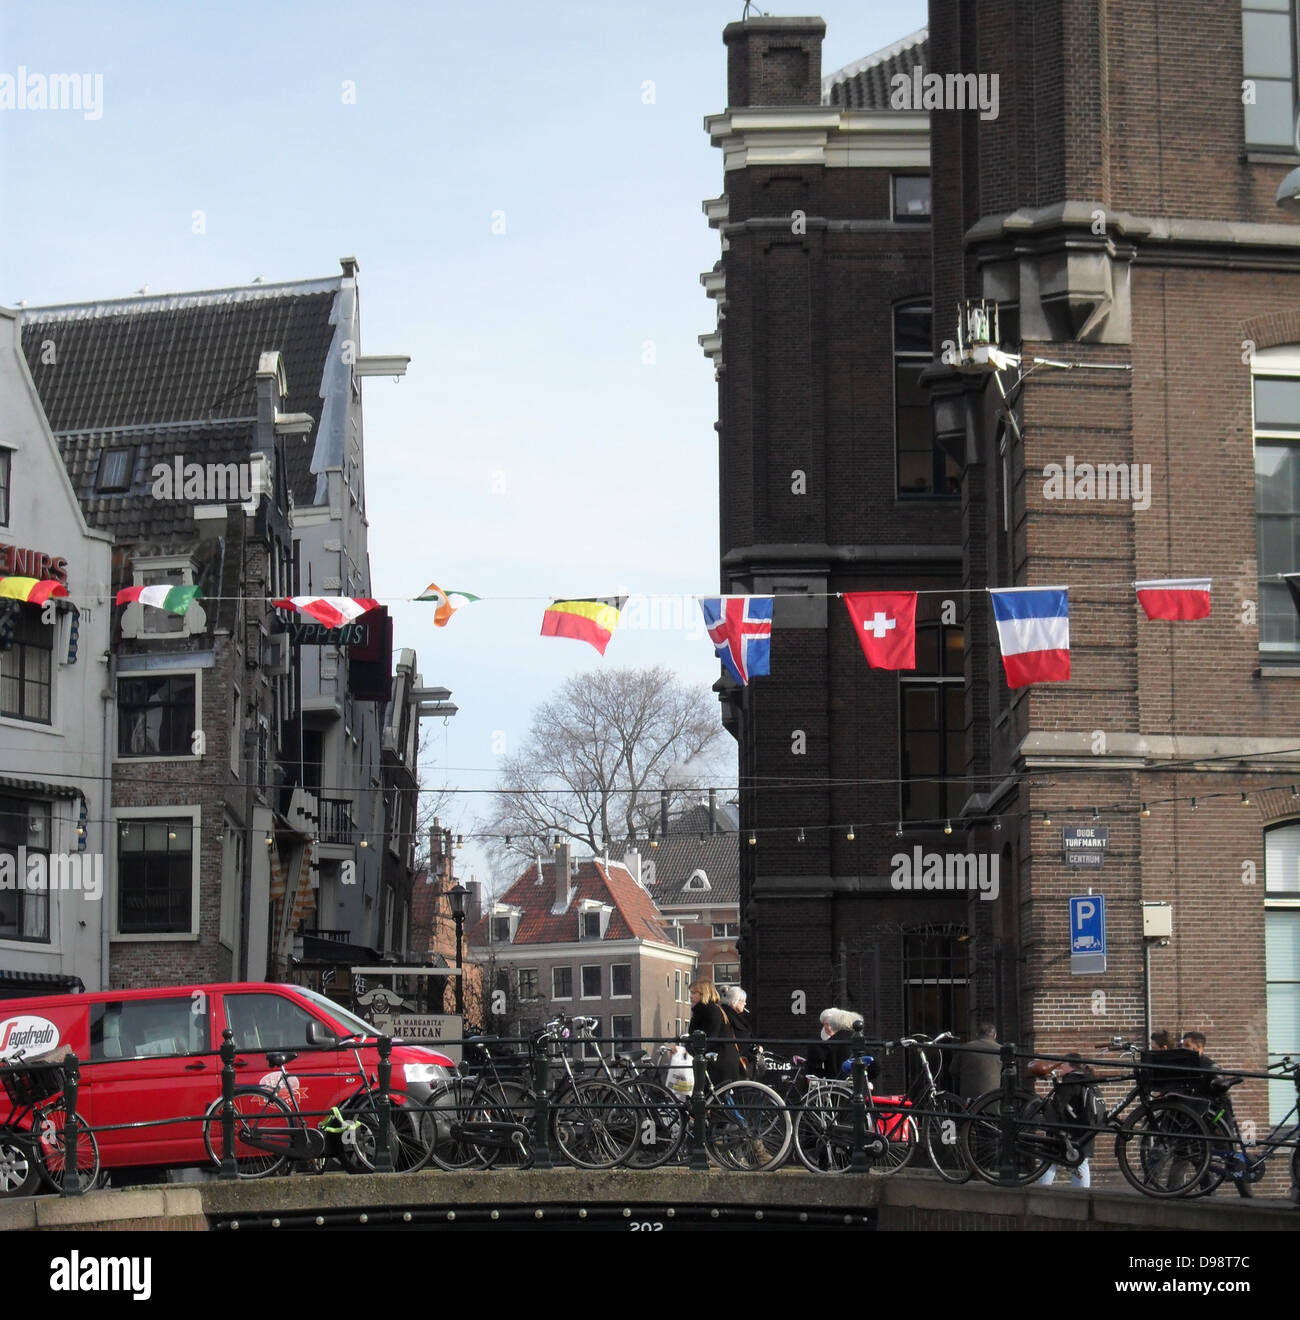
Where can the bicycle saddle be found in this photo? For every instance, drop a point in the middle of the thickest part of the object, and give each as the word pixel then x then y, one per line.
pixel 278 1057
pixel 846 1068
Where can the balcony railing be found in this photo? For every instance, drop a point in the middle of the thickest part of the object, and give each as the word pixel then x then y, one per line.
pixel 336 825
pixel 321 933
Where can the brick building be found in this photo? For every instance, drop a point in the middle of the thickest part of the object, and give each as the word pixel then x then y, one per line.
pixel 1123 218
pixel 585 937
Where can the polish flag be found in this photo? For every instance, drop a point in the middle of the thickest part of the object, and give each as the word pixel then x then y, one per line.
pixel 1175 598
pixel 1034 632
pixel 332 611
pixel 885 623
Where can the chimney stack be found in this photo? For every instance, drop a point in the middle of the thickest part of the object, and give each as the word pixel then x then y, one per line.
pixel 663 812
pixel 713 811
pixel 561 876
pixel 774 61
pixel 632 860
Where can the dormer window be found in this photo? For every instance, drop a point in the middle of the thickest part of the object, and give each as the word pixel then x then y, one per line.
pixel 505 922
pixel 593 919
pixel 146 621
pixel 698 882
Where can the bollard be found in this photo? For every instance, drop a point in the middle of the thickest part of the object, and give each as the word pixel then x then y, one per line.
pixel 699 1108
pixel 72 1128
pixel 383 1138
pixel 227 1167
pixel 1007 1118
pixel 542 1045
pixel 858 1162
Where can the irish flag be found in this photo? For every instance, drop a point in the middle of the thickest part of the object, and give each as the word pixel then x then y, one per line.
pixel 592 620
pixel 1034 632
pixel 175 600
pixel 35 591
pixel 332 611
pixel 1175 598
pixel 448 602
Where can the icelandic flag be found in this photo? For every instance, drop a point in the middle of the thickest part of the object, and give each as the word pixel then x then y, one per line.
pixel 740 628
pixel 1034 632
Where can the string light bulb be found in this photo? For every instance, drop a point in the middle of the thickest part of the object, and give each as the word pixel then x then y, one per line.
pixel 753 838
pixel 997 823
pixel 1096 815
pixel 1146 811
pixel 801 835
pixel 898 833
pixel 1245 799
pixel 364 843
pixel 850 836
pixel 1193 804
pixel 1047 820
pixel 947 827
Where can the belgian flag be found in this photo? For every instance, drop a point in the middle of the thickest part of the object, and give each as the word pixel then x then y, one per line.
pixel 591 620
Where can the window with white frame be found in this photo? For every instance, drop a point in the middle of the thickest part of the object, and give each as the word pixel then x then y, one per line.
pixel 911 197
pixel 1282 956
pixel 6 481
pixel 157 884
pixel 1275 381
pixel 561 982
pixel 726 930
pixel 157 714
pixel 26 664
pixel 25 826
pixel 620 981
pixel 1268 68
pixel 528 983
pixel 591 982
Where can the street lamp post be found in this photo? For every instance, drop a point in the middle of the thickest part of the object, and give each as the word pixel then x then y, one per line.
pixel 456 897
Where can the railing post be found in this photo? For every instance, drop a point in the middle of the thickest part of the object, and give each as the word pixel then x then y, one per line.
pixel 699 1107
pixel 383 1138
pixel 71 1128
pixel 542 1102
pixel 1007 1117
pixel 228 1167
pixel 858 1162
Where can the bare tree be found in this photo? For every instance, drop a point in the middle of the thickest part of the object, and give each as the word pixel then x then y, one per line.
pixel 431 803
pixel 596 759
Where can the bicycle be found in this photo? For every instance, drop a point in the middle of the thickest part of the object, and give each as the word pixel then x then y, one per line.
pixel 824 1129
pixel 941 1121
pixel 272 1131
pixel 1230 1156
pixel 1162 1146
pixel 33 1140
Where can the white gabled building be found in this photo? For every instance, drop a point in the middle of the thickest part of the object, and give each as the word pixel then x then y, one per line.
pixel 53 707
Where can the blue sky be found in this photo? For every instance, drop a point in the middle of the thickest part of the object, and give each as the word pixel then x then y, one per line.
pixel 554 434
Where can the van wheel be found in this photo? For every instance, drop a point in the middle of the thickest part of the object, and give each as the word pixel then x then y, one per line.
pixel 20 1175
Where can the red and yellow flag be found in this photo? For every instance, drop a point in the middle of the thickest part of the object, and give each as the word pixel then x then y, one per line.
pixel 592 620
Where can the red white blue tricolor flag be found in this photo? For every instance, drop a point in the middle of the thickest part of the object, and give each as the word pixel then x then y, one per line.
pixel 741 630
pixel 1034 632
pixel 1175 598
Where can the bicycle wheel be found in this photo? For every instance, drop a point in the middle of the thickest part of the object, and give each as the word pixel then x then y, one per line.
pixel 661 1124
pixel 53 1145
pixel 941 1133
pixel 982 1139
pixel 1163 1149
pixel 594 1124
pixel 1219 1166
pixel 747 1127
pixel 823 1131
pixel 259 1114
pixel 903 1138
pixel 411 1133
pixel 451 1107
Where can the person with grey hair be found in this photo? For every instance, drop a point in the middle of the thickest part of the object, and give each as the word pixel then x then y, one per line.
pixel 828 1056
pixel 733 1008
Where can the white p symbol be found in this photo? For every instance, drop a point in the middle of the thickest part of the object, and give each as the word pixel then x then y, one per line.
pixel 1083 912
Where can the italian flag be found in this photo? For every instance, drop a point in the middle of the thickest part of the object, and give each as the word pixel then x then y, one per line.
pixel 332 611
pixel 1175 598
pixel 35 591
pixel 175 600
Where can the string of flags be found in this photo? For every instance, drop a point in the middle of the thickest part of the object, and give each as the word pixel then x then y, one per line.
pixel 1033 623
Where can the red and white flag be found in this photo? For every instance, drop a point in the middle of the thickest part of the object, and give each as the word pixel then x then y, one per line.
pixel 332 611
pixel 885 622
pixel 1175 598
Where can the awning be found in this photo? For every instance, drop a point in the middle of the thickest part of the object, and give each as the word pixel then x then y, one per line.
pixel 40 786
pixel 30 985
pixel 318 951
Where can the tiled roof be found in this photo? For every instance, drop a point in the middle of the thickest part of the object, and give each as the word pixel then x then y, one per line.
pixel 679 856
pixel 864 84
pixel 183 360
pixel 634 917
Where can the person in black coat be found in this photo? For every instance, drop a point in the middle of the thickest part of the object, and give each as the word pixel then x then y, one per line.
pixel 827 1057
pixel 707 1016
pixel 733 1005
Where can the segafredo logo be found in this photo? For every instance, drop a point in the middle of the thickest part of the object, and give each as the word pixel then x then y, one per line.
pixel 27 1034
pixel 955 871
pixel 77 1273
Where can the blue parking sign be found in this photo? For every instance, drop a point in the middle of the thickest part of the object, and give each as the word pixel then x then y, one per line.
pixel 1087 934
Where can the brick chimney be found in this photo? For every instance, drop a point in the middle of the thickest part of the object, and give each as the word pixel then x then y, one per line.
pixel 774 61
pixel 561 877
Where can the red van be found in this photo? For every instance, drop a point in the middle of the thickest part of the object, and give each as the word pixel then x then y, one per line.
pixel 151 1054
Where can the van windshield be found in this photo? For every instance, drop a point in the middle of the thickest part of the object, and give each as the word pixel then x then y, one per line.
pixel 357 1026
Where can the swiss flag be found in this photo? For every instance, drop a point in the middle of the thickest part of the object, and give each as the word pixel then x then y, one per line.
pixel 885 622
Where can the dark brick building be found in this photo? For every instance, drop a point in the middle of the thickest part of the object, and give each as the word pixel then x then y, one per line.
pixel 1123 218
